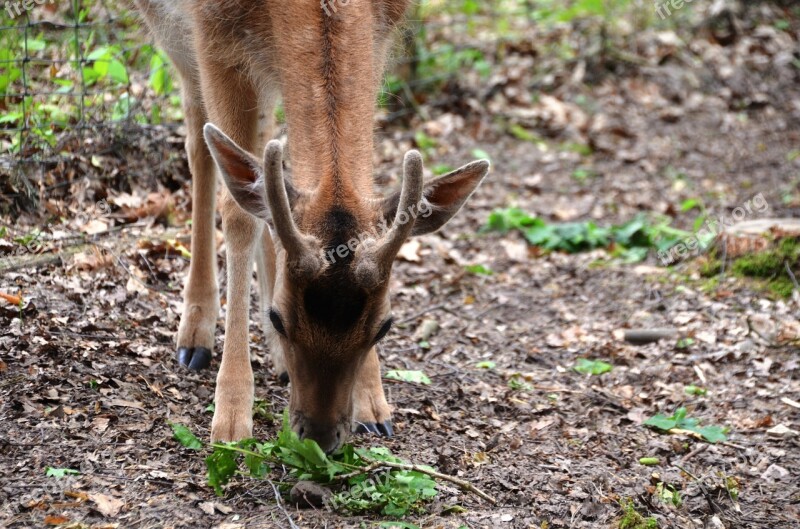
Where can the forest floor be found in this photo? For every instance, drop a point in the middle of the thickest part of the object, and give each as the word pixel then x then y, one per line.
pixel 89 381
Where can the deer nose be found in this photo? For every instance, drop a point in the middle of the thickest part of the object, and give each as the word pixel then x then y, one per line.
pixel 329 437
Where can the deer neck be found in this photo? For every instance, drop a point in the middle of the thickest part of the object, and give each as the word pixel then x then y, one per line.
pixel 329 76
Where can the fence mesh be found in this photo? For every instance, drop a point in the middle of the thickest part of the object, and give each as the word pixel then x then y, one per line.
pixel 79 78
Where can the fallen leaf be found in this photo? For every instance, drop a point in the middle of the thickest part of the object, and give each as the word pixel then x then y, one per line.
pixel 107 505
pixel 410 251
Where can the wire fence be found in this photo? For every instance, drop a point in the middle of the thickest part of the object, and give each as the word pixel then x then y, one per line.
pixel 80 77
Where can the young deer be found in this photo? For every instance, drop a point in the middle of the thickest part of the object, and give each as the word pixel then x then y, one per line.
pixel 323 262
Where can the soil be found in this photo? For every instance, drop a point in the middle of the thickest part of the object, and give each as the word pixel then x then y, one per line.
pixel 88 378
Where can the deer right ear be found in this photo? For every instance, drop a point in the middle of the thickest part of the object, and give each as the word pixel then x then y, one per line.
pixel 241 171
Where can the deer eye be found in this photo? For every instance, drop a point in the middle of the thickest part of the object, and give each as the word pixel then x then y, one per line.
pixel 384 329
pixel 275 318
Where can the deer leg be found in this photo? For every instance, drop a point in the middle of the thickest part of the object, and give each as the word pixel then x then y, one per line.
pixel 371 412
pixel 195 339
pixel 265 254
pixel 265 267
pixel 233 107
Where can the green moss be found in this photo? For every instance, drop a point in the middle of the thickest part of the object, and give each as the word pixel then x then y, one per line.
pixel 767 268
pixel 765 264
pixel 710 266
pixel 770 266
pixel 631 519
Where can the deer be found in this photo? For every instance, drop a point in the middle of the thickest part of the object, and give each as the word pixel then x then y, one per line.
pixel 322 238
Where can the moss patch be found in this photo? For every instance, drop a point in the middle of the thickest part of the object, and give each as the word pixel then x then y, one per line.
pixel 767 268
pixel 631 519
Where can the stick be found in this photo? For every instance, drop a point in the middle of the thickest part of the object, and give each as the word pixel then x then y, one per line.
pixel 420 313
pixel 374 465
pixel 281 507
pixel 646 336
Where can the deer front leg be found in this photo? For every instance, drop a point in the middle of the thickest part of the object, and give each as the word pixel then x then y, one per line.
pixel 371 412
pixel 233 413
pixel 233 106
pixel 195 339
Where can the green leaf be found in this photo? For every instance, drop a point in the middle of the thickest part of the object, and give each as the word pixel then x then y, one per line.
pixel 479 269
pixel 592 367
pixel 441 169
pixel 417 377
pixel 397 525
pixel 690 204
pixel 185 437
pixel 160 78
pixel 118 72
pixel 695 390
pixel 36 44
pixel 713 434
pixel 486 364
pixel 221 466
pixel 59 472
pixel 649 461
pixel 661 422
pixel 480 153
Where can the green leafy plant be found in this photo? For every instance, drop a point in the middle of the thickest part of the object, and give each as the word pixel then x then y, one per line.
pixel 479 270
pixel 365 479
pixel 416 377
pixel 695 391
pixel 668 494
pixel 680 422
pixel 592 367
pixel 631 241
pixel 185 437
pixel 59 473
pixel 518 383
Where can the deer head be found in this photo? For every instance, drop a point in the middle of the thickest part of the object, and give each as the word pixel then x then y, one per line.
pixel 334 255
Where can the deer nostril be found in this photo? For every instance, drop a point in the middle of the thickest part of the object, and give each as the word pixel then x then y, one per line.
pixel 301 433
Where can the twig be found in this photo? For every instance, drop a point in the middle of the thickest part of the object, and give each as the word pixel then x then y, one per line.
pixel 791 276
pixel 420 313
pixel 281 507
pixel 686 472
pixel 700 448
pixel 374 465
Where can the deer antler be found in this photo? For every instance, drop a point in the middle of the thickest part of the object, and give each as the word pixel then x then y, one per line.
pixel 374 260
pixel 301 250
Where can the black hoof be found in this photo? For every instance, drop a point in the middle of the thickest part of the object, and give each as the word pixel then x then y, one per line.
pixel 384 429
pixel 284 377
pixel 195 358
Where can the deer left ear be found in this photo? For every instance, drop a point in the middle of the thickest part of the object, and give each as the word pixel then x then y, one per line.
pixel 443 197
pixel 240 170
pixel 243 174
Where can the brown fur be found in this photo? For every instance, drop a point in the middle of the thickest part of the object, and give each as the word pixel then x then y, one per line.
pixel 235 57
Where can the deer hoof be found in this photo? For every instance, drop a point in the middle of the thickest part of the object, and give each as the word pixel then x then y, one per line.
pixel 384 429
pixel 195 358
pixel 284 377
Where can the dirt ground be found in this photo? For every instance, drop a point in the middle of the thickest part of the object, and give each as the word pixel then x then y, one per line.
pixel 88 379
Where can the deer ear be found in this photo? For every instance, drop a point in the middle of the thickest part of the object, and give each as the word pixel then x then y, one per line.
pixel 241 171
pixel 443 197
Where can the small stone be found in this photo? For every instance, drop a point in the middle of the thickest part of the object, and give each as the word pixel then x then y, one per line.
pixel 782 431
pixel 307 494
pixel 774 473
